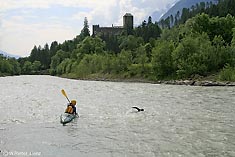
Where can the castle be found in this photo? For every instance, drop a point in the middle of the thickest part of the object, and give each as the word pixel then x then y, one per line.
pixel 128 24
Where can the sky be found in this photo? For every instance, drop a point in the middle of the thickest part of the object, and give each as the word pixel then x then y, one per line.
pixel 25 23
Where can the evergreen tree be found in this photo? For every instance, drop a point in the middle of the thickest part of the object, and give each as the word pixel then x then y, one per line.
pixel 150 20
pixel 148 30
pixel 34 54
pixel 85 31
pixel 53 48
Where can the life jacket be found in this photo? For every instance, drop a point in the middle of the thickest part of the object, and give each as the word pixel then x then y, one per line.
pixel 69 109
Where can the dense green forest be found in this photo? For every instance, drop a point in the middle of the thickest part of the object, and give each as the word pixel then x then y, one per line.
pixel 201 43
pixel 221 9
pixel 9 66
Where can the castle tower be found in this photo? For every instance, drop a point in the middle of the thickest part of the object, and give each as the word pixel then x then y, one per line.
pixel 95 29
pixel 128 21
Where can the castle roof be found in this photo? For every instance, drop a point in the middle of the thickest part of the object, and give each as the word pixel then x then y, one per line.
pixel 128 14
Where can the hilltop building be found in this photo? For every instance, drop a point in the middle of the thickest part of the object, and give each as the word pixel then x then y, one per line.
pixel 128 24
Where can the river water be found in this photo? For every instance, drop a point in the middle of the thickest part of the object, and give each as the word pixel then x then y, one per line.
pixel 177 121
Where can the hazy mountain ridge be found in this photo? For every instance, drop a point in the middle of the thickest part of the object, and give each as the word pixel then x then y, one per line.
pixel 8 54
pixel 178 7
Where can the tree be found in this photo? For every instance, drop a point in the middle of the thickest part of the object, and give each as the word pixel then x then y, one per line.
pixel 85 31
pixel 221 55
pixel 64 67
pixel 112 42
pixel 148 49
pixel 122 61
pixel 144 23
pixel 16 70
pixel 233 39
pixel 42 55
pixel 148 30
pixel 185 15
pixel 56 60
pixel 5 66
pixel 53 48
pixel 36 66
pixel 45 57
pixel 162 59
pixel 193 55
pixel 150 20
pixel 91 45
pixel 27 68
pixel 141 58
pixel 34 55
pixel 131 43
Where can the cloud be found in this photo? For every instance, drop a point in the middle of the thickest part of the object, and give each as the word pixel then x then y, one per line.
pixel 26 23
pixel 16 4
pixel 20 37
pixel 109 10
pixel 6 5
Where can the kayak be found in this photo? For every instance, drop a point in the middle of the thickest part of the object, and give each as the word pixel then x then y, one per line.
pixel 66 118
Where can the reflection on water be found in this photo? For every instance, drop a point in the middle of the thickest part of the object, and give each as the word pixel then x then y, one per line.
pixel 177 121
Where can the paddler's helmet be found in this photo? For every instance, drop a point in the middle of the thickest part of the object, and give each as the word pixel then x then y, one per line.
pixel 73 102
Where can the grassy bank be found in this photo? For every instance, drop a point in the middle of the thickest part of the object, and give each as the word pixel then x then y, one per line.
pixel 210 80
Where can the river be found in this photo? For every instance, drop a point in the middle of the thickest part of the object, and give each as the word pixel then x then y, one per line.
pixel 178 120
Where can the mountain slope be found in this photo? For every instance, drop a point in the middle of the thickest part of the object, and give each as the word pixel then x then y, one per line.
pixel 180 5
pixel 8 55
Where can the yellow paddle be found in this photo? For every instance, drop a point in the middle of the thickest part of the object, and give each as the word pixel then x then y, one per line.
pixel 63 92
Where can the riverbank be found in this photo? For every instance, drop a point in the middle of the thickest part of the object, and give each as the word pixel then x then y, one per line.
pixel 207 81
pixel 191 82
pixel 198 83
pixel 171 82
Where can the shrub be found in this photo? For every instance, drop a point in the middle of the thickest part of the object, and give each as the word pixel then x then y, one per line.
pixel 227 73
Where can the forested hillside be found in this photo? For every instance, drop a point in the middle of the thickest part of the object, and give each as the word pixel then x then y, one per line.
pixel 185 4
pixel 197 47
pixel 220 8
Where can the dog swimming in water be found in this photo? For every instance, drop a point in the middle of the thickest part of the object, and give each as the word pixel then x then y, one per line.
pixel 138 109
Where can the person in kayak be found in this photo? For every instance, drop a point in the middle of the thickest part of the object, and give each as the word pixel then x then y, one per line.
pixel 71 107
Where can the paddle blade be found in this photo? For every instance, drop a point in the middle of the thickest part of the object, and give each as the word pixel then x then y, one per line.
pixel 63 92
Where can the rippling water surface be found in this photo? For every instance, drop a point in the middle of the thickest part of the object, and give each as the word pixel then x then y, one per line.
pixel 177 121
